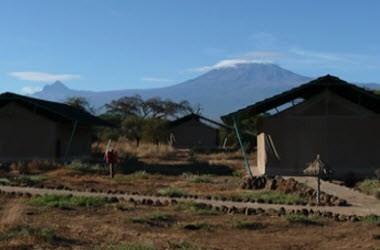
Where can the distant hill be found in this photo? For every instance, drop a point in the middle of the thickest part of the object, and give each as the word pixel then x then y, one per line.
pixel 218 91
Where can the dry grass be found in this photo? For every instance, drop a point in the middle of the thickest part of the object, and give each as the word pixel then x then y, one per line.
pixel 144 150
pixel 106 227
pixel 370 186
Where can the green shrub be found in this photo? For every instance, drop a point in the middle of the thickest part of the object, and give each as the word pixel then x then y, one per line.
pixel 248 225
pixel 155 219
pixel 238 173
pixel 129 246
pixel 172 192
pixel 197 226
pixel 302 219
pixel 369 186
pixel 4 181
pixel 198 178
pixel 377 195
pixel 270 196
pixel 67 201
pixel 86 167
pixel 45 234
pixel 131 177
pixel 372 219
pixel 194 207
pixel 182 245
pixel 29 180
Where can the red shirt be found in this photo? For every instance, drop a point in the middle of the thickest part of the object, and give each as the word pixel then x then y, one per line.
pixel 111 157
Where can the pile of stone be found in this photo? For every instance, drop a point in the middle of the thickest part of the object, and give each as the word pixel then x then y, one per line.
pixel 291 186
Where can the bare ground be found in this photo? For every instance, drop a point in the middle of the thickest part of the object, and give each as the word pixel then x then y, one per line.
pixel 110 226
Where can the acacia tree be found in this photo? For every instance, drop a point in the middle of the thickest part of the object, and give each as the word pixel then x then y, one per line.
pixel 132 128
pixel 140 118
pixel 125 106
pixel 81 103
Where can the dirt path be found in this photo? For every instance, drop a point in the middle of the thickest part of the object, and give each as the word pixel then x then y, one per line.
pixel 352 210
pixel 12 213
pixel 353 197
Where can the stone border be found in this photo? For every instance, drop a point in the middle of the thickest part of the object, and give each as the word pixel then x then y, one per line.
pixel 226 209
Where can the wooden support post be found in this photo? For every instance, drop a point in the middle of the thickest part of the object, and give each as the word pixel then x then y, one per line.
pixel 225 142
pixel 71 139
pixel 246 162
pixel 318 189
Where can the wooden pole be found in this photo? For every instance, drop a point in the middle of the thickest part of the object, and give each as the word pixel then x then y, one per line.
pixel 246 162
pixel 71 139
pixel 318 189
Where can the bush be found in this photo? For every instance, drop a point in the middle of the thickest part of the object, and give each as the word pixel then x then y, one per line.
pixel 67 201
pixel 182 245
pixel 131 177
pixel 270 196
pixel 197 226
pixel 4 181
pixel 369 186
pixel 377 195
pixel 130 246
pixel 29 180
pixel 194 207
pixel 302 219
pixel 372 219
pixel 45 234
pixel 377 173
pixel 155 219
pixel 198 178
pixel 248 225
pixel 34 166
pixel 172 192
pixel 86 167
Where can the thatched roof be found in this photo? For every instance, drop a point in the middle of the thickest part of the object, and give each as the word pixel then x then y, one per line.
pixel 316 167
pixel 53 110
pixel 351 92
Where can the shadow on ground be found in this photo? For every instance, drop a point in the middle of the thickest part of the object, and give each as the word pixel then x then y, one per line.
pixel 134 165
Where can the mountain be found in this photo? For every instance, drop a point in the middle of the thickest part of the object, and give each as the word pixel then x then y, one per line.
pixel 373 86
pixel 218 91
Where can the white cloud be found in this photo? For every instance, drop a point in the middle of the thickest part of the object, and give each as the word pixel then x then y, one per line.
pixel 155 79
pixel 325 56
pixel 249 57
pixel 29 90
pixel 43 76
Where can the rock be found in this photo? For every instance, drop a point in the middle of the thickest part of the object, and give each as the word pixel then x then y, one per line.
pixel 305 212
pixel 282 211
pixel 232 210
pixel 354 218
pixel 342 217
pixel 149 202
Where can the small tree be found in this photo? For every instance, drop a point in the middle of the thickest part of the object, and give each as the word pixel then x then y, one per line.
pixel 155 130
pixel 132 128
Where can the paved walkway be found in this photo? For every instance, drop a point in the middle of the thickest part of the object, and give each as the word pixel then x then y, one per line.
pixel 352 210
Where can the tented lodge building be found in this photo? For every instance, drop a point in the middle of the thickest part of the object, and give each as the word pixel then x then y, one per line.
pixel 36 129
pixel 327 116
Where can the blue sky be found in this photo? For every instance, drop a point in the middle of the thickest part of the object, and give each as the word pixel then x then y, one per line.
pixel 118 44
